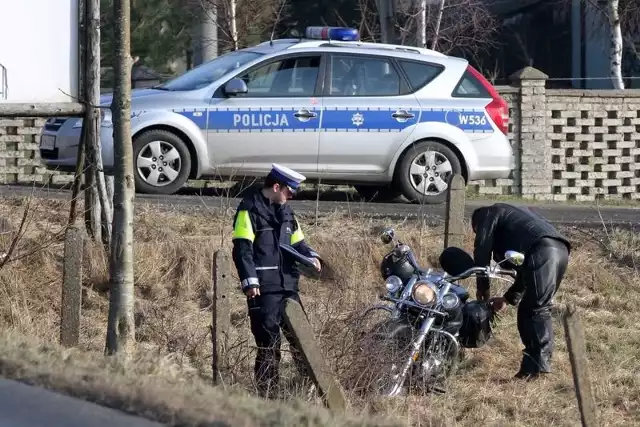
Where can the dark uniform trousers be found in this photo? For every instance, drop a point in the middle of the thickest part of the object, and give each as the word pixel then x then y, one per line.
pixel 259 228
pixel 266 316
pixel 537 283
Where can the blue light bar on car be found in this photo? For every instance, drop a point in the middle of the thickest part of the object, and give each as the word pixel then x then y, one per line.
pixel 332 33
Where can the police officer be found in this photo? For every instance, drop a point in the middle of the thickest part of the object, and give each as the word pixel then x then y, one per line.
pixel 262 222
pixel 503 227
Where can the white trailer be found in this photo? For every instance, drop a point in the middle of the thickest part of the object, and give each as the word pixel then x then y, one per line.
pixel 39 51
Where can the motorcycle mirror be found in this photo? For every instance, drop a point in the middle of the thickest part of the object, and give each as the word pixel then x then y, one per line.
pixel 514 257
pixel 387 236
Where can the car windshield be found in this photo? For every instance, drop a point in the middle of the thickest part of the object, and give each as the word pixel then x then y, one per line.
pixel 208 72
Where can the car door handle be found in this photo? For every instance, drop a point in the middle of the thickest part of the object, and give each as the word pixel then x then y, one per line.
pixel 305 114
pixel 402 114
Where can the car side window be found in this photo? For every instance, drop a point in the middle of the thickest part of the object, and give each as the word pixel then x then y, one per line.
pixel 289 77
pixel 363 76
pixel 420 73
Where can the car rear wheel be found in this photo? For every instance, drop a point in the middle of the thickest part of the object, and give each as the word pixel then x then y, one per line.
pixel 425 170
pixel 161 162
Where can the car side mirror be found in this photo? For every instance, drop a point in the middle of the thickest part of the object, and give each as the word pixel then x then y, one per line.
pixel 514 257
pixel 235 87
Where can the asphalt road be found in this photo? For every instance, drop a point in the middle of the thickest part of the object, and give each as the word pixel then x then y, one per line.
pixel 209 199
pixel 22 405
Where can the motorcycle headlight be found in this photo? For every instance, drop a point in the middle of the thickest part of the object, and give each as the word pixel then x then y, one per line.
pixel 423 293
pixel 450 301
pixel 393 283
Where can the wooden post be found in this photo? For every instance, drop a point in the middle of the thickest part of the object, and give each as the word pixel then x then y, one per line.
pixel 578 356
pixel 221 315
pixel 454 215
pixel 42 109
pixel 92 117
pixel 326 382
pixel 71 287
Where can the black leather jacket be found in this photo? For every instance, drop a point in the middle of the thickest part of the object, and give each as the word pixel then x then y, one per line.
pixel 502 227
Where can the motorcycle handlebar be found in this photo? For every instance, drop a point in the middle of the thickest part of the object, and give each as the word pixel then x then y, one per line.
pixel 484 271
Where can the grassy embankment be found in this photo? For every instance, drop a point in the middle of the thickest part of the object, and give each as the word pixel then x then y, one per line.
pixel 168 379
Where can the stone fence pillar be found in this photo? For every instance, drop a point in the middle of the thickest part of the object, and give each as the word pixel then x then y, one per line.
pixel 534 179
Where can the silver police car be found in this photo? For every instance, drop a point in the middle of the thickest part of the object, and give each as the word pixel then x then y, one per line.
pixel 388 119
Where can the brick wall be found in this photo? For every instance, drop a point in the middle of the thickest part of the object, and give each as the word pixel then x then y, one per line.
pixel 19 154
pixel 568 144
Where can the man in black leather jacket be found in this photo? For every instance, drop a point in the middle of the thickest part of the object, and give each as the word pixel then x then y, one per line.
pixel 503 227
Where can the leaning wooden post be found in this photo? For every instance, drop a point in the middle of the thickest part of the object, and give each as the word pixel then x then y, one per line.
pixel 71 287
pixel 312 357
pixel 454 214
pixel 221 319
pixel 577 347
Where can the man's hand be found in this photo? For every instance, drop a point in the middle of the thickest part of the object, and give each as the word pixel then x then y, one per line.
pixel 498 303
pixel 252 292
pixel 482 295
pixel 316 263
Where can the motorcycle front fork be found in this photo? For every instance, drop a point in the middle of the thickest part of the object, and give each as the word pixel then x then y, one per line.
pixel 415 349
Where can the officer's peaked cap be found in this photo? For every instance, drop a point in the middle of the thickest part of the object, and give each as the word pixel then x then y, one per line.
pixel 286 176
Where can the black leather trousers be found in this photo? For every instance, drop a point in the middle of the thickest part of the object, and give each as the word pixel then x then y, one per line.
pixel 540 277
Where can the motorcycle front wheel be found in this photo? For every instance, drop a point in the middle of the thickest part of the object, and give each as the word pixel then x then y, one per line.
pixel 382 347
pixel 438 361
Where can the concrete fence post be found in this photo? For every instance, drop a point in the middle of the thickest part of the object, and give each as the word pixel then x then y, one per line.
pixel 70 309
pixel 454 213
pixel 222 284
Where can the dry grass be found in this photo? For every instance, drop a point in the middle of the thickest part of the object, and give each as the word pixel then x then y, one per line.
pixel 173 257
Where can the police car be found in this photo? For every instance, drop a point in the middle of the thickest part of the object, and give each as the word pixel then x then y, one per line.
pixel 389 119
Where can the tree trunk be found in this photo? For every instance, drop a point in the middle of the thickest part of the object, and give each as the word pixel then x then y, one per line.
pixel 109 182
pixel 615 56
pixel 206 34
pixel 386 13
pixel 93 85
pixel 436 33
pixel 77 178
pixel 121 326
pixel 91 199
pixel 92 63
pixel 233 23
pixel 422 23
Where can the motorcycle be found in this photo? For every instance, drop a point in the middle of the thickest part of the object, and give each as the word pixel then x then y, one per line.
pixel 430 317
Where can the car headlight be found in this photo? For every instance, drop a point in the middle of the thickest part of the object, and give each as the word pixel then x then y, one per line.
pixel 105 119
pixel 393 283
pixel 424 293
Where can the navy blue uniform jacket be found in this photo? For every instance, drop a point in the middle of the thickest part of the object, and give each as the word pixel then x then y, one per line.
pixel 259 228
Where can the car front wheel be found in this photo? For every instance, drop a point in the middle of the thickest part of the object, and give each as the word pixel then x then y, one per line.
pixel 161 162
pixel 425 170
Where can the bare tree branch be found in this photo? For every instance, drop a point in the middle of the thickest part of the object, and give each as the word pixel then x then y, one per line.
pixel 463 26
